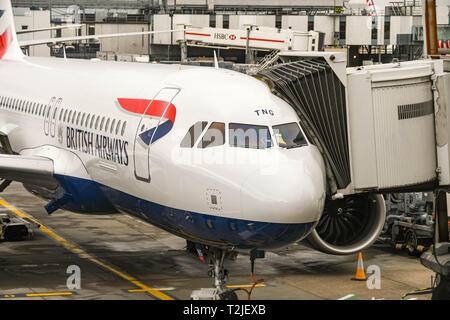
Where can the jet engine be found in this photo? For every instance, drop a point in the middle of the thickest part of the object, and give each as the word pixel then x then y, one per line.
pixel 350 224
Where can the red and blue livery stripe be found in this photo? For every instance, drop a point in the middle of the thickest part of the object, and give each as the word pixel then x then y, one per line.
pixel 154 108
pixel 5 38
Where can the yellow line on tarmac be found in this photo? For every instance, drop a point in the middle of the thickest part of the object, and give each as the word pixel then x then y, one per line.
pixel 245 286
pixel 160 289
pixel 83 254
pixel 48 294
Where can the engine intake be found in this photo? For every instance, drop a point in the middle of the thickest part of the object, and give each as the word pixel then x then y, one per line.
pixel 350 224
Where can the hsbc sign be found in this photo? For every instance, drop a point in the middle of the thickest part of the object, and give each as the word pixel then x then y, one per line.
pixel 224 36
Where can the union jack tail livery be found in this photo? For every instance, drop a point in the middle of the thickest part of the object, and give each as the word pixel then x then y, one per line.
pixel 9 47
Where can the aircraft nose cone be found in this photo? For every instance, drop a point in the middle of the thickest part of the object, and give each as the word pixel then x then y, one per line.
pixel 294 192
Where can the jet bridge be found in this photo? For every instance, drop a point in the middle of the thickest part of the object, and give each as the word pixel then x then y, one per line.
pixel 380 129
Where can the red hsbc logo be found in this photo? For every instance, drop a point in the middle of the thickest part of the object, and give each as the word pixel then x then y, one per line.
pixel 232 37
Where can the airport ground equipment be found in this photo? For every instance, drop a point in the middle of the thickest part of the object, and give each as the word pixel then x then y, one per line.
pixel 438 257
pixel 380 129
pixel 14 228
pixel 409 221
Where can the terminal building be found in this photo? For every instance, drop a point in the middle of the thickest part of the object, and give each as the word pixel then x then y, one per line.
pixel 368 35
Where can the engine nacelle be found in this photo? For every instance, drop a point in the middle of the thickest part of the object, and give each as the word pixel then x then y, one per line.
pixel 350 224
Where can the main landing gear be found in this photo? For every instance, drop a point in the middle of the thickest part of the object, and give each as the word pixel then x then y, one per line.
pixel 216 258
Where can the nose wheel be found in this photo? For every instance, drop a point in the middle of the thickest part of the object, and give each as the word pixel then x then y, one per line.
pixel 216 258
pixel 217 267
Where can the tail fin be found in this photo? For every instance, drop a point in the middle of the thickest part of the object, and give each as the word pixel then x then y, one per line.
pixel 9 46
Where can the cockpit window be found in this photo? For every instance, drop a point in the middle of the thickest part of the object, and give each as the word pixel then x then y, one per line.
pixel 193 134
pixel 249 136
pixel 289 135
pixel 214 136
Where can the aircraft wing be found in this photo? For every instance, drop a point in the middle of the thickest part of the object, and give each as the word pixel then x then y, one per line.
pixel 26 43
pixel 33 170
pixel 67 26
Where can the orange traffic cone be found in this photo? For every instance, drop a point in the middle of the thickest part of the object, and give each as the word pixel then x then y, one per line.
pixel 360 275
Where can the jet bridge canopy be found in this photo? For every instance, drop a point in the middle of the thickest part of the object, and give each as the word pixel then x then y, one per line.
pixel 312 88
pixel 381 128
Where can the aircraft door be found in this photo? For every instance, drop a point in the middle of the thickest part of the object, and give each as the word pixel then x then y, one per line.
pixel 47 115
pixel 53 116
pixel 148 126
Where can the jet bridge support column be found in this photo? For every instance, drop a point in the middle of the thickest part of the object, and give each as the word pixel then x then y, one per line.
pixel 183 49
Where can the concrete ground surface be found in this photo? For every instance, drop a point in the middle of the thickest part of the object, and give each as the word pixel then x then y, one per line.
pixel 120 257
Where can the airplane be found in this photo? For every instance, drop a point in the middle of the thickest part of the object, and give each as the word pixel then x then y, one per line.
pixel 208 154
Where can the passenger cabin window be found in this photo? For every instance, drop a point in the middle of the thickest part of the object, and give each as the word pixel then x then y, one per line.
pixel 289 135
pixel 214 136
pixel 113 123
pixel 249 136
pixel 107 125
pixel 118 127
pixel 92 121
pixel 123 128
pixel 193 134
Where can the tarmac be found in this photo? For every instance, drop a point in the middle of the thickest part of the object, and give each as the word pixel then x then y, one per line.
pixel 104 257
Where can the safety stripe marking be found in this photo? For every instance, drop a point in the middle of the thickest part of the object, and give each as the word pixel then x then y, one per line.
pixel 198 34
pixel 259 39
pixel 161 289
pixel 83 254
pixel 246 286
pixel 22 295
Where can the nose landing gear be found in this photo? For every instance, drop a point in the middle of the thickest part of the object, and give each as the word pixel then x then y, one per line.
pixel 216 258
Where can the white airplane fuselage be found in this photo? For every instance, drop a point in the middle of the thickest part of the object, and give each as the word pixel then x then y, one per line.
pixel 73 112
